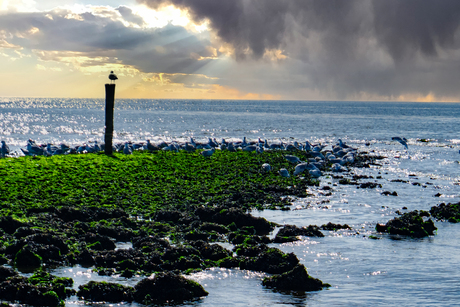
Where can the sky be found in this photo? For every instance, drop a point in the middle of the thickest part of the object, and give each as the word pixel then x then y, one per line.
pixel 384 50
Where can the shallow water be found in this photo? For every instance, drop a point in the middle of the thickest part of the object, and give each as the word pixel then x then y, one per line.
pixel 362 271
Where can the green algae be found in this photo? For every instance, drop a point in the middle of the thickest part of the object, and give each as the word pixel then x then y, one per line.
pixel 143 182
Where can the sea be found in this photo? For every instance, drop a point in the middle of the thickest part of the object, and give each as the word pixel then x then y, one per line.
pixel 363 267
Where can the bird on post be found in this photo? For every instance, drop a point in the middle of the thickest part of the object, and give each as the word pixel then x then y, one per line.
pixel 112 77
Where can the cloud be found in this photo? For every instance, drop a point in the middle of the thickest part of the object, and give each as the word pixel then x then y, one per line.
pixel 101 33
pixel 338 48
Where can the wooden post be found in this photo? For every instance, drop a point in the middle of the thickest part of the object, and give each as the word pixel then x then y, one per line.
pixel 109 106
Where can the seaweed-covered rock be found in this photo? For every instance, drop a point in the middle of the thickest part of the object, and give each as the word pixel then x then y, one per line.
pixel 449 212
pixel 27 260
pixel 409 224
pixel 296 279
pixel 6 273
pixel 19 289
pixel 332 226
pixel 9 224
pixel 212 252
pixel 289 233
pixel 87 214
pixel 105 292
pixel 269 260
pixel 167 287
pixel 234 216
pixel 99 242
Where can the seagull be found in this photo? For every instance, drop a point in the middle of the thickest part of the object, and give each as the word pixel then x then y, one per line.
pixel 292 159
pixel 284 173
pixel 5 149
pixel 112 77
pixel 207 153
pixel 127 150
pixel 266 167
pixel 403 141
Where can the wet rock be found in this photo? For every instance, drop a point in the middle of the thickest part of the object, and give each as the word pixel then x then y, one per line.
pixel 289 233
pixel 409 224
pixel 85 258
pixel 119 233
pixel 121 259
pixel 369 185
pixel 9 224
pixel 269 260
pixel 19 289
pixel 214 227
pixel 105 292
pixel 6 273
pixel 169 216
pixel 26 260
pixel 449 212
pixel 296 279
pixel 332 226
pixel 388 193
pixel 212 252
pixel 88 214
pixel 150 243
pixel 98 242
pixel 167 288
pixel 234 215
pixel 25 231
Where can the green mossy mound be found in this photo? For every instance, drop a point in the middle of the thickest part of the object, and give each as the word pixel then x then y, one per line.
pixel 409 224
pixel 105 292
pixel 41 289
pixel 167 288
pixel 140 183
pixel 449 212
pixel 296 279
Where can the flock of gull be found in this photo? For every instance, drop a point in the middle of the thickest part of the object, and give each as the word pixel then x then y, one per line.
pixel 338 156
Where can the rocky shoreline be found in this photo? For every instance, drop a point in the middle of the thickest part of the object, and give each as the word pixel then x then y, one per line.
pixel 171 242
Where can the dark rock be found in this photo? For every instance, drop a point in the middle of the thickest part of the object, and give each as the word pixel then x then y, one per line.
pixel 296 279
pixel 6 273
pixel 98 242
pixel 269 260
pixel 85 258
pixel 449 212
pixel 167 288
pixel 9 224
pixel 168 216
pixel 409 224
pixel 292 231
pixel 105 292
pixel 27 260
pixel 234 215
pixel 88 214
pixel 332 226
pixel 388 193
pixel 20 290
pixel 212 252
pixel 370 185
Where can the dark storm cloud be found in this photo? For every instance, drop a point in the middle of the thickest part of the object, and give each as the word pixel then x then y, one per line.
pixel 399 25
pixel 381 47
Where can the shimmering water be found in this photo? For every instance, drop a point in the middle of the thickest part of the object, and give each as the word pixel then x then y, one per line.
pixel 362 271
